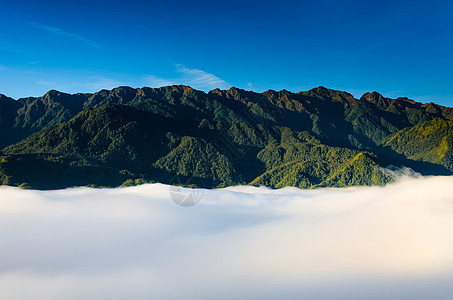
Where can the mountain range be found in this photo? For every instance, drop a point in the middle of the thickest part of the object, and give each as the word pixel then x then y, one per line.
pixel 179 135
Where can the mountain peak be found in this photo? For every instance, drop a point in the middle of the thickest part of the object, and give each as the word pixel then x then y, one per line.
pixel 320 88
pixel 375 98
pixel 234 89
pixel 52 93
pixel 5 98
pixel 234 93
pixel 123 88
pixel 125 92
pixel 324 93
pixel 180 87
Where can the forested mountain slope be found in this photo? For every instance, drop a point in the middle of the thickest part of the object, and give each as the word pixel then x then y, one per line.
pixel 308 139
pixel 430 141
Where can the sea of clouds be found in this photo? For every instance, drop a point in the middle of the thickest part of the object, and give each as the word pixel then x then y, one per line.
pixel 393 242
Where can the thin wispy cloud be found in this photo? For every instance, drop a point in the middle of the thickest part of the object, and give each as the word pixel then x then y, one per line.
pixel 46 83
pixel 60 32
pixel 195 78
pixel 154 81
pixel 9 47
pixel 91 84
pixel 201 78
pixel 99 83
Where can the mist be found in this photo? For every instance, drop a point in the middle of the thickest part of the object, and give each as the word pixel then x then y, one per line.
pixel 392 242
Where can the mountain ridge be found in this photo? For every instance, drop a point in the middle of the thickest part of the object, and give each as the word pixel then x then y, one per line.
pixel 314 138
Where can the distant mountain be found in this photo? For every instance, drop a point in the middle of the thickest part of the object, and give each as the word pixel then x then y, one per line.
pixel 179 135
pixel 25 116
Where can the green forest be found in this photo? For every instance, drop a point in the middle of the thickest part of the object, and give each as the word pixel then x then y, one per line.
pixel 179 135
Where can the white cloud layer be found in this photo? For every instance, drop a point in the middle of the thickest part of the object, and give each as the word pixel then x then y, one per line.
pixel 237 243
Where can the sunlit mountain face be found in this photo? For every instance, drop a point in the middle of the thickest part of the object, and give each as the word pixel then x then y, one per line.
pixel 390 242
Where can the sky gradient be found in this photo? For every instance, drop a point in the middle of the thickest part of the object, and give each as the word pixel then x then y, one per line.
pixel 398 48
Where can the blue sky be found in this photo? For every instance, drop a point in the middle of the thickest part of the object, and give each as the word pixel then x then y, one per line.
pixel 399 48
